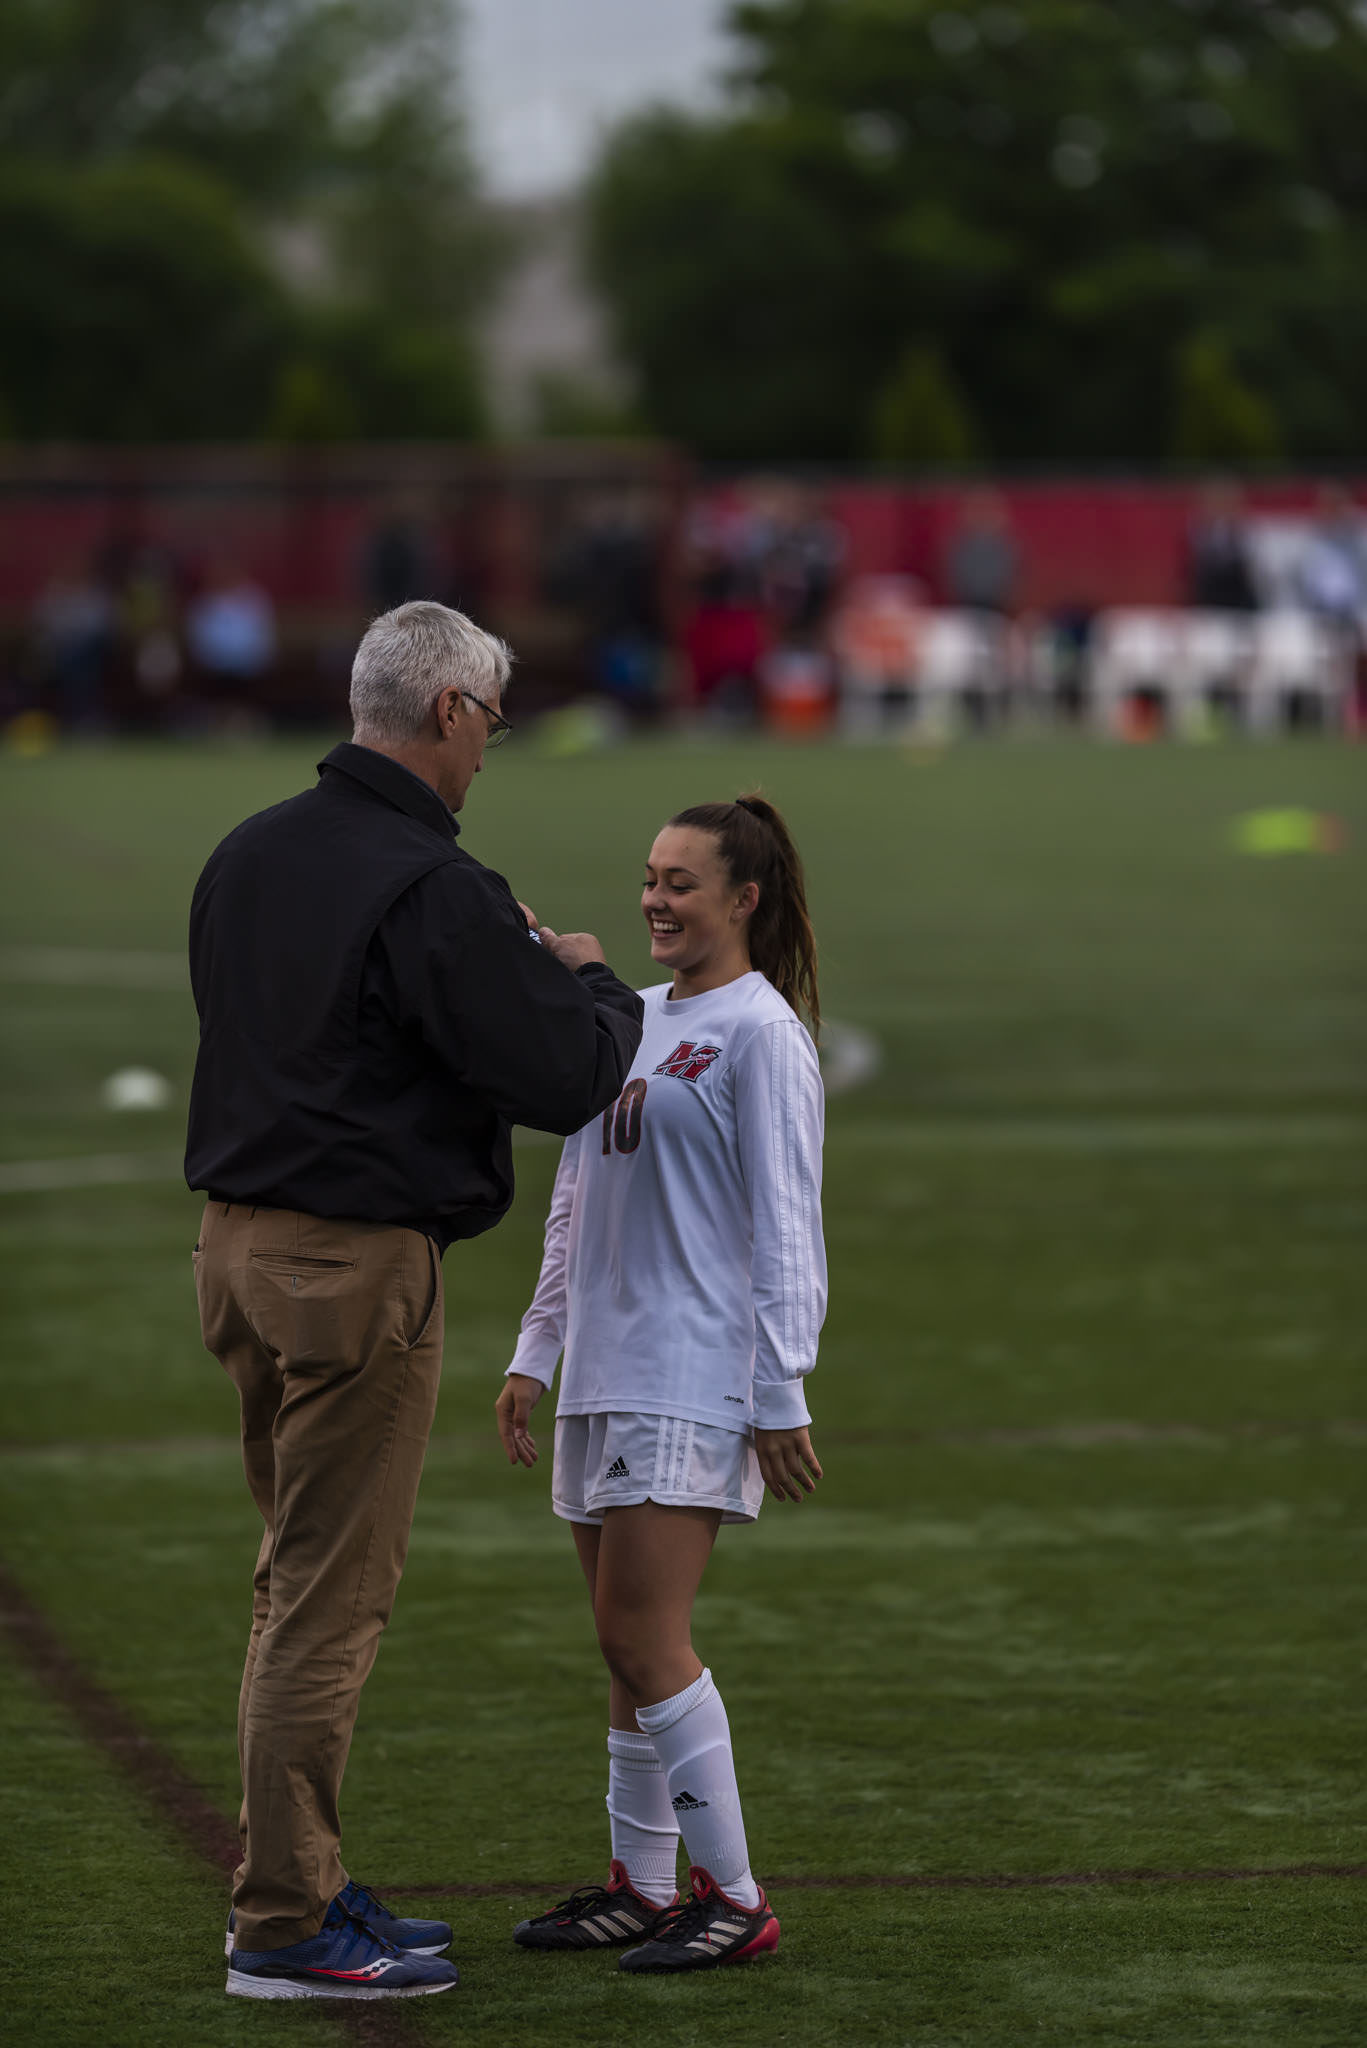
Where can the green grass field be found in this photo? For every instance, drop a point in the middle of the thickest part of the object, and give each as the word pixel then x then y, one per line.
pixel 1074 1599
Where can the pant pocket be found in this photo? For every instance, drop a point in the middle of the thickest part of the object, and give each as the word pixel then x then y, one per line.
pixel 301 1262
pixel 422 1293
pixel 308 1311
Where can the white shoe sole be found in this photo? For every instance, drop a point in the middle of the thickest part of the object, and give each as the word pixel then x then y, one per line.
pixel 439 1950
pixel 240 1985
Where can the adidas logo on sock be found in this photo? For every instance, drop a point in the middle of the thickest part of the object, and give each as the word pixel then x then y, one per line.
pixel 686 1803
pixel 619 1469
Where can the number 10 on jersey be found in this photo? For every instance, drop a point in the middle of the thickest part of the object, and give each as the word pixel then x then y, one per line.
pixel 622 1119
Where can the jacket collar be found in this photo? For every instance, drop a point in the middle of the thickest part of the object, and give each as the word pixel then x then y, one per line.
pixel 392 781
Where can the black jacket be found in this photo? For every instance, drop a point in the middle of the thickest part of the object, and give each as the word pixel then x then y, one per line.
pixel 374 1015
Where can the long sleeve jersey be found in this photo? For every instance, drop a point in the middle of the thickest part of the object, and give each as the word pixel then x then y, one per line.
pixel 684 1271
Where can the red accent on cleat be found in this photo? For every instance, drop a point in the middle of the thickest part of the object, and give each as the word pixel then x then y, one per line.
pixel 767 1938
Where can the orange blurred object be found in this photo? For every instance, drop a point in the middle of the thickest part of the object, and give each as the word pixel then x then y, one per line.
pixel 796 691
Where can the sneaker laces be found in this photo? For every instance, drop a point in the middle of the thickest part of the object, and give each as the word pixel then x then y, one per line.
pixel 360 1898
pixel 337 1913
pixel 578 1903
pixel 688 1917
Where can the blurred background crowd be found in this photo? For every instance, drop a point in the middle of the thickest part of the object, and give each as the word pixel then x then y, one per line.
pixel 902 365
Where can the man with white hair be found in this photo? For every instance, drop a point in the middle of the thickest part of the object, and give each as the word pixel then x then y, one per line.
pixel 374 1016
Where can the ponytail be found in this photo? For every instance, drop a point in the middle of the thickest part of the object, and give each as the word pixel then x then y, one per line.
pixel 756 846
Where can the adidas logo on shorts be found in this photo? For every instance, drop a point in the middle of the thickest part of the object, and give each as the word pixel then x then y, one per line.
pixel 618 1469
pixel 686 1803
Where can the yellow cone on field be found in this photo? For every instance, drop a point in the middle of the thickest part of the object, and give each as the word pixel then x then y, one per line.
pixel 30 733
pixel 1289 829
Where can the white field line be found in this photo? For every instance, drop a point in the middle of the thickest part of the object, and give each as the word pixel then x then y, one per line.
pixel 1076 1136
pixel 1081 1134
pixel 849 1055
pixel 101 1170
pixel 84 967
pixel 458 1445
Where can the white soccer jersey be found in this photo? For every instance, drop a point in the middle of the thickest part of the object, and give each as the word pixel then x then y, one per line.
pixel 684 1271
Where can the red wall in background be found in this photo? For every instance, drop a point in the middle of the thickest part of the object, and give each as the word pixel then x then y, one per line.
pixel 1082 541
pixel 304 549
pixel 298 522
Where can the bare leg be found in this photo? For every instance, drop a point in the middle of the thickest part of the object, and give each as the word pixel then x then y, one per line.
pixel 649 1565
pixel 587 1536
pixel 643 1568
pixel 587 1541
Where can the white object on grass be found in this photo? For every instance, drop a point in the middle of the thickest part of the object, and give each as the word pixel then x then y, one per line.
pixel 849 1056
pixel 136 1088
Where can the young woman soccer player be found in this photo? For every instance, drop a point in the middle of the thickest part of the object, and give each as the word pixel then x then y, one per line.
pixel 685 1278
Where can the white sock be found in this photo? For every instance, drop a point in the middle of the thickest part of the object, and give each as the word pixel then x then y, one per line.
pixel 645 1834
pixel 693 1741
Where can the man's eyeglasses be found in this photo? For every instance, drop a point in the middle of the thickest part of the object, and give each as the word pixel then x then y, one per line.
pixel 499 727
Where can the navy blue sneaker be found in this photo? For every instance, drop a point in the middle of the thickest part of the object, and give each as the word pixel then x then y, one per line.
pixel 414 1937
pixel 345 1959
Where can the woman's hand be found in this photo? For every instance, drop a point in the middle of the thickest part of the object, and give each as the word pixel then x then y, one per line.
pixel 787 1462
pixel 519 1395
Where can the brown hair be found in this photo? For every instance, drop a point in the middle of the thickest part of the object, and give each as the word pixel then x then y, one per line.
pixel 756 846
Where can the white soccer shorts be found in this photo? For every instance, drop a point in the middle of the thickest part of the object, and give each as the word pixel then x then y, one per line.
pixel 618 1461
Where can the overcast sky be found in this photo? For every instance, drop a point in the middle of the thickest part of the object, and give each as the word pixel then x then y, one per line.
pixel 544 77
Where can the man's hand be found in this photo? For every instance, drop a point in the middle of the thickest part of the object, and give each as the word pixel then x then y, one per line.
pixel 519 1395
pixel 573 949
pixel 787 1462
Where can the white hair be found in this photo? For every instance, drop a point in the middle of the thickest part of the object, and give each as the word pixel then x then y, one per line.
pixel 408 656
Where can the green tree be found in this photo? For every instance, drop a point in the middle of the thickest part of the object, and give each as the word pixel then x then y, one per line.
pixel 1051 196
pixel 920 415
pixel 132 305
pixel 735 293
pixel 569 406
pixel 1217 417
pixel 324 139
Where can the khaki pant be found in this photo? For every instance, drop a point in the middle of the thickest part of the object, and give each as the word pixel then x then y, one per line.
pixel 331 1332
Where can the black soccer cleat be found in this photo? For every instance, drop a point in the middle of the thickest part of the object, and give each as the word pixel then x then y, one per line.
pixel 705 1931
pixel 596 1916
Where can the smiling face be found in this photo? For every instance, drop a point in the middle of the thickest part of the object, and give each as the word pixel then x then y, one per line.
pixel 698 919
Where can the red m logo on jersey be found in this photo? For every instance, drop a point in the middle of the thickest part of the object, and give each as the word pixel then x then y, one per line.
pixel 688 1061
